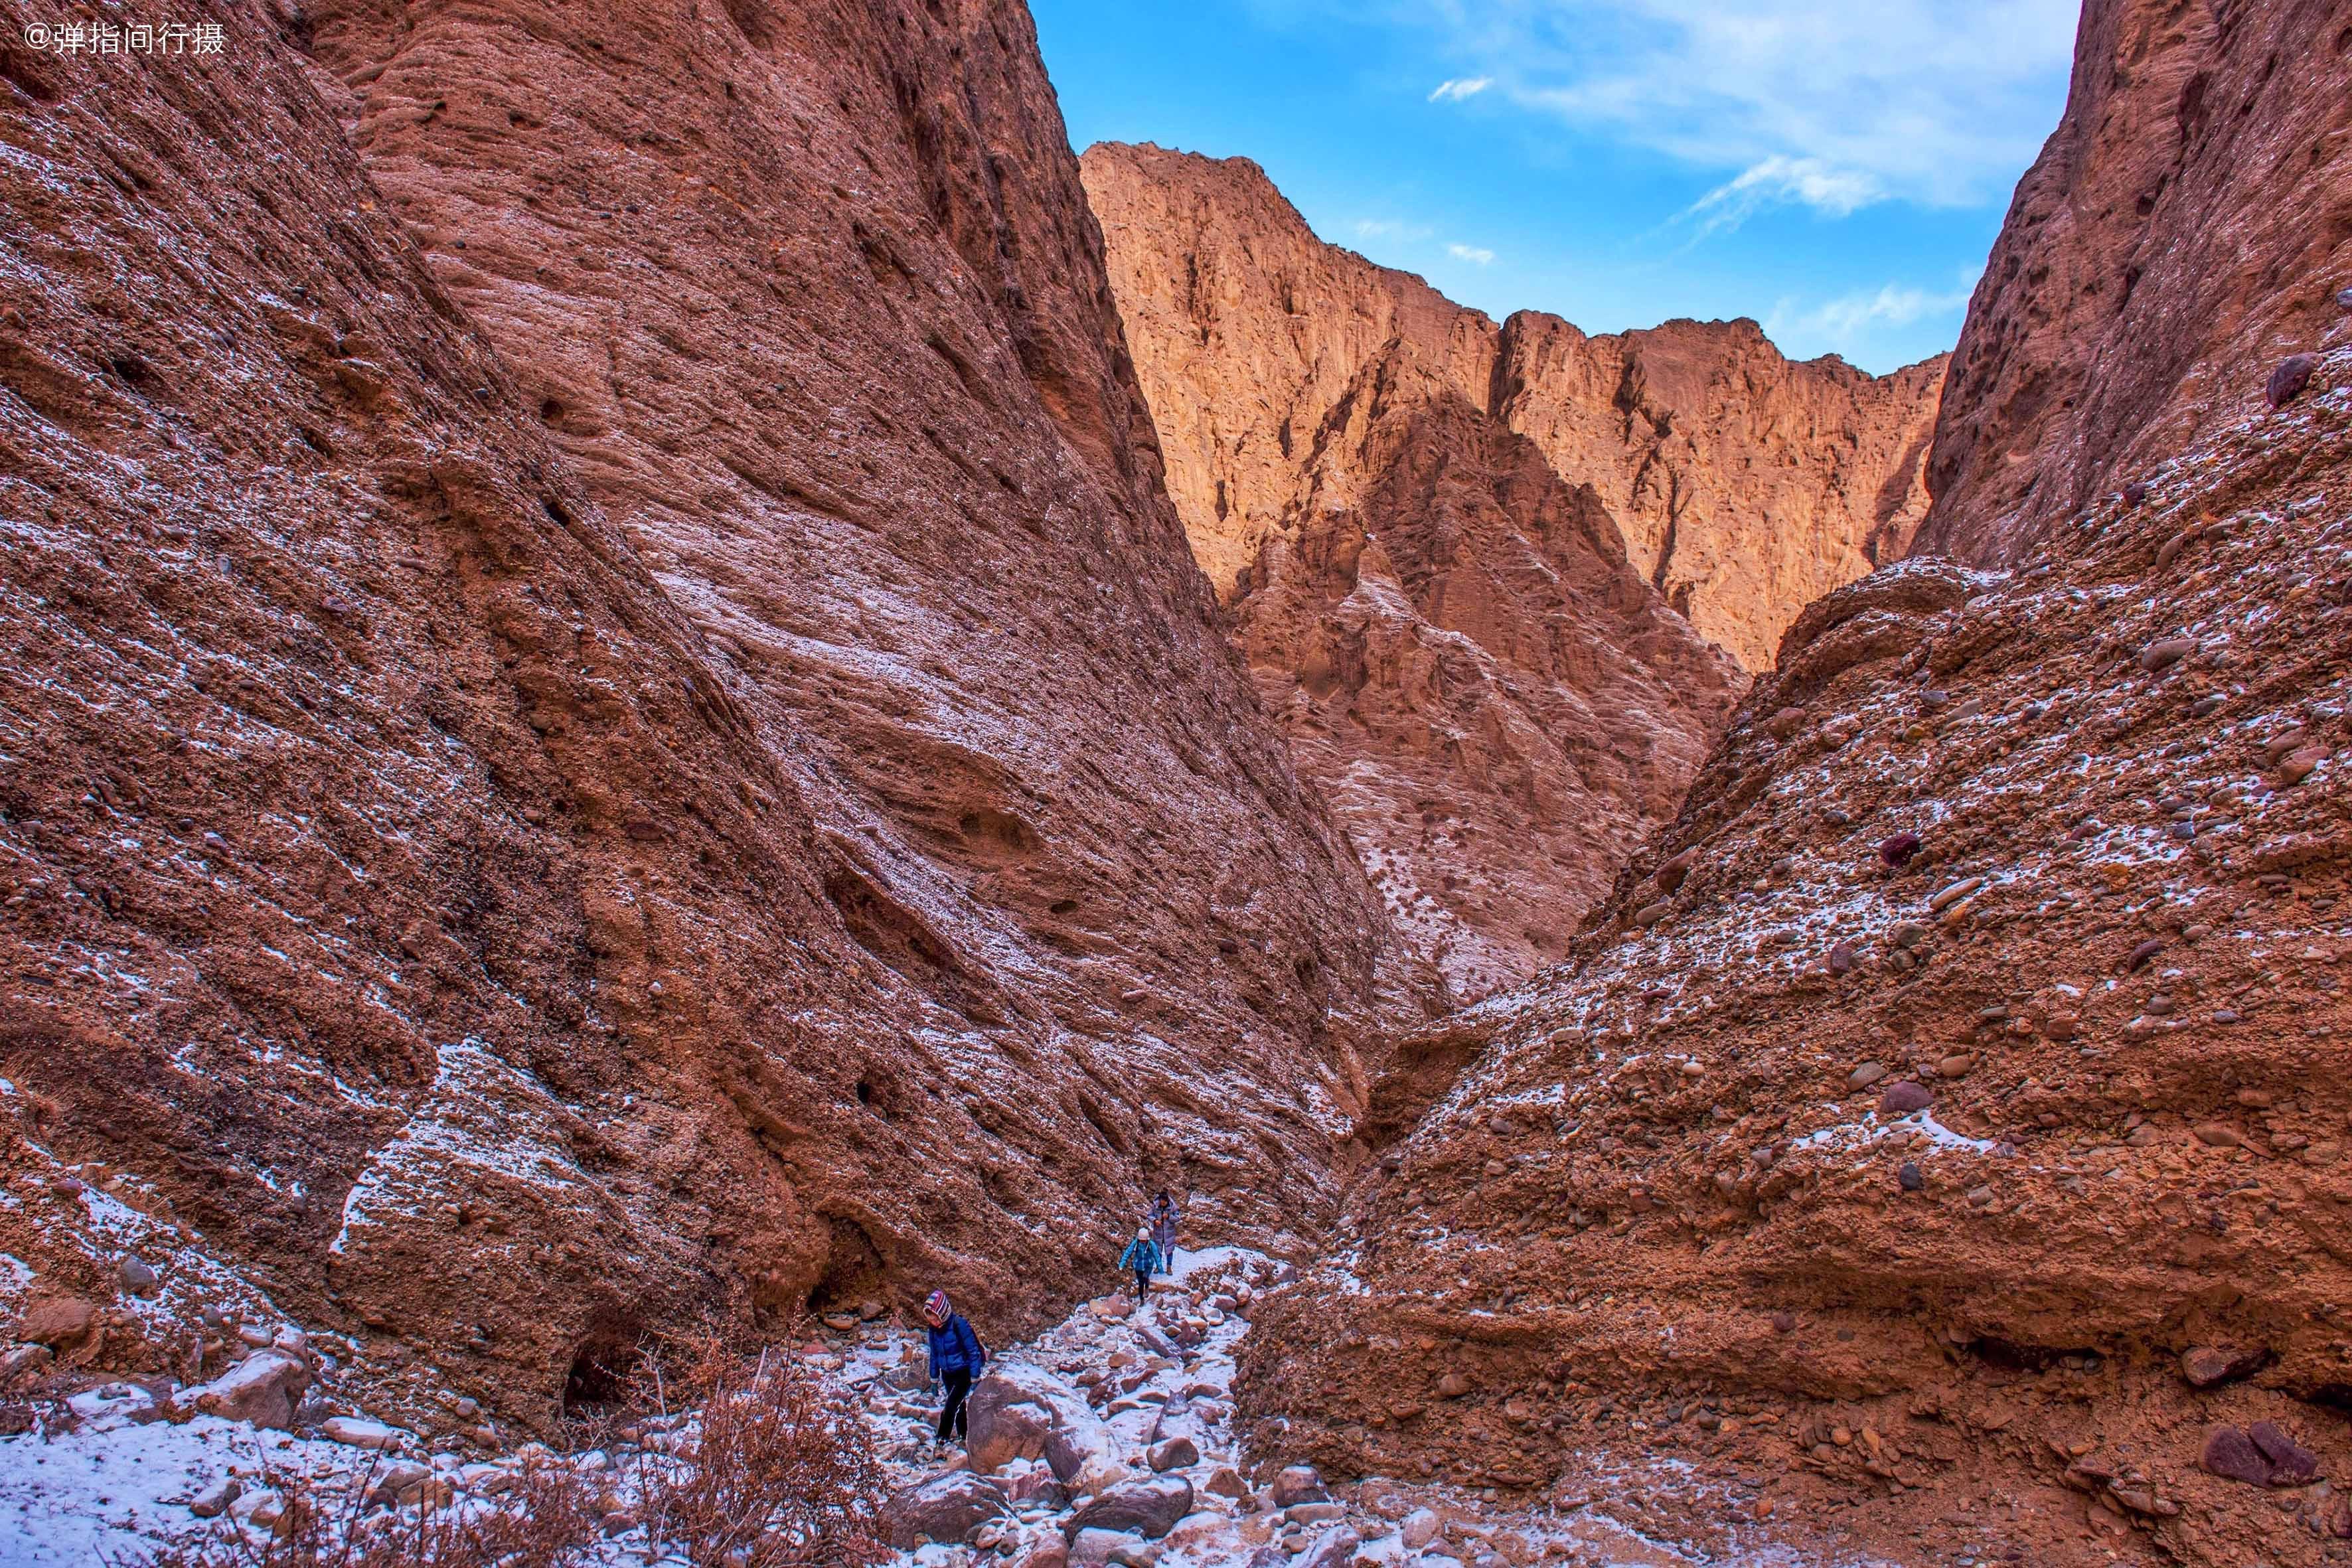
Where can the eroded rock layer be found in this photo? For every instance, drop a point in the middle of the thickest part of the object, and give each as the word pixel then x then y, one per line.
pixel 604 713
pixel 2188 225
pixel 1465 560
pixel 1941 1147
pixel 1744 485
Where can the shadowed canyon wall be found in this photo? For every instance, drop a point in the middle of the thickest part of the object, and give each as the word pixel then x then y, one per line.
pixel 605 709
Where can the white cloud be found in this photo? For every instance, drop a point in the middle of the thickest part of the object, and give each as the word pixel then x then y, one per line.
pixel 1779 181
pixel 1475 253
pixel 1935 101
pixel 1849 321
pixel 1391 228
pixel 1454 90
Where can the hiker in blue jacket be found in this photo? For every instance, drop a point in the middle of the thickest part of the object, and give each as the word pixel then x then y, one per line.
pixel 956 1356
pixel 1142 1254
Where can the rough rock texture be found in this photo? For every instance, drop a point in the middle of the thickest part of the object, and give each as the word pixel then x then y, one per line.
pixel 1495 703
pixel 663 747
pixel 1455 552
pixel 1744 485
pixel 1947 1128
pixel 2188 225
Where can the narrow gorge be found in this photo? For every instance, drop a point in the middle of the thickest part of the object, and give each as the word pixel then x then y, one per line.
pixel 663 673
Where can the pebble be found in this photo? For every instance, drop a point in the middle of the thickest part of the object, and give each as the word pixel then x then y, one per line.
pixel 1899 849
pixel 1670 876
pixel 137 1278
pixel 2165 652
pixel 1651 914
pixel 1842 958
pixel 1954 892
pixel 2135 493
pixel 2215 1135
pixel 1865 1075
pixel 215 1499
pixel 2142 954
pixel 1911 1177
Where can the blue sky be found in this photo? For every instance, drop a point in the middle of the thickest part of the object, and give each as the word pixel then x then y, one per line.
pixel 1836 169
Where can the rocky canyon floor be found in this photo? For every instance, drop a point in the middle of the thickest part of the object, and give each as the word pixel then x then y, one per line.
pixel 1107 1440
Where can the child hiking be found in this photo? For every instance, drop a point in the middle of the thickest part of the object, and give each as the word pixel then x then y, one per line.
pixel 956 1356
pixel 1142 1254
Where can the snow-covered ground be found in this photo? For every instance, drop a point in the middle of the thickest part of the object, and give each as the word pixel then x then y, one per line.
pixel 1121 1385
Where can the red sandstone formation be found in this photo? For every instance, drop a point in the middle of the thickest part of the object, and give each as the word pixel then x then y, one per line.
pixel 1746 486
pixel 1450 548
pixel 1941 1144
pixel 2186 227
pixel 1944 1129
pixel 603 711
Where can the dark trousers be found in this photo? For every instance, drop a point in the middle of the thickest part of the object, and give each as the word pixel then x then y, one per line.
pixel 1142 1284
pixel 952 1415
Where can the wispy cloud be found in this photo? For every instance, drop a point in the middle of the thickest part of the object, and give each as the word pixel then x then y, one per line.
pixel 1391 228
pixel 1781 182
pixel 1454 90
pixel 1477 254
pixel 1847 322
pixel 1853 100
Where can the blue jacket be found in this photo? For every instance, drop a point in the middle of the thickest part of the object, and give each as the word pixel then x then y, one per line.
pixel 1141 1256
pixel 955 1348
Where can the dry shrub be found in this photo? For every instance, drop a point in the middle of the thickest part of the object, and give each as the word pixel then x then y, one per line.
pixel 548 1520
pixel 780 1473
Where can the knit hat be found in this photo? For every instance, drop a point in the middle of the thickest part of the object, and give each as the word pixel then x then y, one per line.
pixel 935 1306
pixel 1143 1233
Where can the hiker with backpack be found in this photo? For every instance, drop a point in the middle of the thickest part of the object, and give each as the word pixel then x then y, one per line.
pixel 956 1356
pixel 1164 1230
pixel 1142 1254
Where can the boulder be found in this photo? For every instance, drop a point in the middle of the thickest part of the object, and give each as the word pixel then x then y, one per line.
pixel 361 1434
pixel 2231 1455
pixel 1023 1413
pixel 1173 1454
pixel 1298 1484
pixel 397 1481
pixel 1146 1508
pixel 59 1322
pixel 1038 1488
pixel 1225 1481
pixel 2210 1366
pixel 1332 1549
pixel 1010 1419
pixel 264 1389
pixel 215 1499
pixel 944 1508
pixel 2287 381
pixel 1418 1529
pixel 1095 1548
pixel 2292 1464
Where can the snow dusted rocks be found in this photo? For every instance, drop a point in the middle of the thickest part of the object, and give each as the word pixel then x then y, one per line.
pixel 947 1508
pixel 1149 1508
pixel 261 1390
pixel 2071 1105
pixel 469 806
